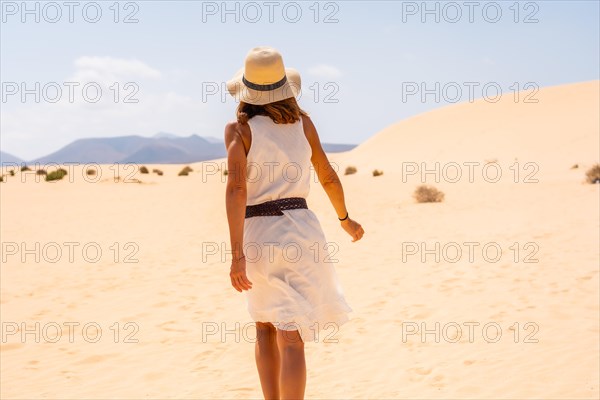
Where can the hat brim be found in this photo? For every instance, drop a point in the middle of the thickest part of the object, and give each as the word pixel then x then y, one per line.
pixel 241 92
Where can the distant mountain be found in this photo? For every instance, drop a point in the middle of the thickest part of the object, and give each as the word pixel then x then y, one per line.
pixel 162 148
pixel 213 139
pixel 337 147
pixel 165 135
pixel 9 158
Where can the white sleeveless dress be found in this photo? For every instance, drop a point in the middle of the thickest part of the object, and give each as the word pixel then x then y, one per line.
pixel 288 261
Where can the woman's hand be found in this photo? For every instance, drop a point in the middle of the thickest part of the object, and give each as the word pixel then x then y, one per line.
pixel 239 280
pixel 353 228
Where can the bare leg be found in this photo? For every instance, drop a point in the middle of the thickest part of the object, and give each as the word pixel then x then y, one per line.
pixel 293 365
pixel 267 359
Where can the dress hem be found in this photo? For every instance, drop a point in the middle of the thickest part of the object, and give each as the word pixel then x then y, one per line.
pixel 309 324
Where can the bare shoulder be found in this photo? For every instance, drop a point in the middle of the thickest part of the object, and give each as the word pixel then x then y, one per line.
pixel 309 129
pixel 307 122
pixel 230 132
pixel 235 130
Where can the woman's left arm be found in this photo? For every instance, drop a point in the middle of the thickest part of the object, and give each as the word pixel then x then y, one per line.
pixel 235 199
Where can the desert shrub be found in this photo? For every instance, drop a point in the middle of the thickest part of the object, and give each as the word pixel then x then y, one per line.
pixel 25 168
pixel 157 171
pixel 575 166
pixel 185 171
pixel 143 170
pixel 350 170
pixel 41 172
pixel 56 175
pixel 377 172
pixel 90 171
pixel 11 172
pixel 225 172
pixel 593 174
pixel 1 178
pixel 428 194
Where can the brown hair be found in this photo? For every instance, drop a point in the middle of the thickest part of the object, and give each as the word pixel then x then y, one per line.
pixel 285 111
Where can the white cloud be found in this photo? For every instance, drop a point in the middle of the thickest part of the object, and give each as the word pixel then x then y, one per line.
pixel 32 129
pixel 325 71
pixel 116 66
pixel 108 70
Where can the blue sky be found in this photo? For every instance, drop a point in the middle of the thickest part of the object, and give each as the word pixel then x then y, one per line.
pixel 356 59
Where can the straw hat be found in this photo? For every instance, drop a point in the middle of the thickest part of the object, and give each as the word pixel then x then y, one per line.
pixel 264 79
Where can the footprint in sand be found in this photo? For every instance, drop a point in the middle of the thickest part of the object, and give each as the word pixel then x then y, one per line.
pixel 67 374
pixel 422 315
pixel 202 356
pixel 379 303
pixel 164 326
pixel 421 370
pixel 95 359
pixel 437 381
pixel 418 374
pixel 41 313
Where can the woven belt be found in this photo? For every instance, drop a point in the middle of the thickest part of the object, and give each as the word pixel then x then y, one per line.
pixel 274 207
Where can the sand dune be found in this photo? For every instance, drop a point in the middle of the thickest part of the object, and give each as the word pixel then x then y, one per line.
pixel 557 131
pixel 532 310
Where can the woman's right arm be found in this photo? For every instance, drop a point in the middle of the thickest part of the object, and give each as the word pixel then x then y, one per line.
pixel 330 180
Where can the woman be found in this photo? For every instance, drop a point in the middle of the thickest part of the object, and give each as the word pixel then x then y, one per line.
pixel 280 255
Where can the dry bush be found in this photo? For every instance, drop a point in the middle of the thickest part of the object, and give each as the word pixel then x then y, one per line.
pixel 575 166
pixel 593 174
pixel 1 178
pixel 143 170
pixel 11 172
pixel 25 168
pixel 377 172
pixel 56 175
pixel 428 194
pixel 41 172
pixel 90 171
pixel 350 170
pixel 185 171
pixel 225 172
pixel 157 171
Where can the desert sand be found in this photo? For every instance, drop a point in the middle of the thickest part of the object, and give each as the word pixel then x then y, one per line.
pixel 529 317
